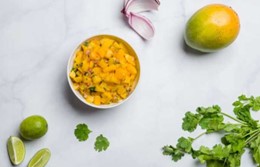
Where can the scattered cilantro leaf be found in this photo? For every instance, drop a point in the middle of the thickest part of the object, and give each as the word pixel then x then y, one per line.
pixel 244 133
pixel 82 132
pixel 101 143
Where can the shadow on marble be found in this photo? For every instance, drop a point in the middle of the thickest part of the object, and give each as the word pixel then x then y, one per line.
pixel 80 108
pixel 190 51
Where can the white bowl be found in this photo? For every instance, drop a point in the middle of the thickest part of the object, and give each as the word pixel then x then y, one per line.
pixel 79 96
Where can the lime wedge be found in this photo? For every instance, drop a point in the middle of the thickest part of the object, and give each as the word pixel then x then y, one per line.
pixel 16 150
pixel 41 158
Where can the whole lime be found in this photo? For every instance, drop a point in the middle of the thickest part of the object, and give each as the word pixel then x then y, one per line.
pixel 212 28
pixel 33 127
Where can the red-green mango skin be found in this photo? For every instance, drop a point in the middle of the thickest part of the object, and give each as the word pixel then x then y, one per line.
pixel 212 28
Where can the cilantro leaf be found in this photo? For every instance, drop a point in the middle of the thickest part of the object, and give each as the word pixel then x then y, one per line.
pixel 221 152
pixel 211 118
pixel 235 140
pixel 212 122
pixel 242 113
pixel 234 159
pixel 185 144
pixel 231 127
pixel 81 132
pixel 255 102
pixel 190 121
pixel 101 143
pixel 208 110
pixel 175 153
pixel 215 163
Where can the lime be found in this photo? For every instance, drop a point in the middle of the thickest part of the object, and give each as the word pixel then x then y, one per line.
pixel 16 150
pixel 33 127
pixel 41 158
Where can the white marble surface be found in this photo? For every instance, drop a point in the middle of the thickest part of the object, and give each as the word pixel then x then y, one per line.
pixel 37 38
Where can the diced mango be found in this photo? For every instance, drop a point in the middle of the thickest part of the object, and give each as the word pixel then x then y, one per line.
pixel 102 63
pixel 116 45
pixel 90 99
pixel 87 80
pixel 76 86
pixel 99 89
pixel 78 58
pixel 110 68
pixel 77 79
pixel 122 46
pixel 97 70
pixel 85 66
pixel 109 54
pixel 106 43
pixel 102 52
pixel 94 56
pixel 72 74
pixel 91 64
pixel 97 100
pixel 131 69
pixel 96 79
pixel 122 92
pixel 120 55
pixel 107 66
pixel 130 59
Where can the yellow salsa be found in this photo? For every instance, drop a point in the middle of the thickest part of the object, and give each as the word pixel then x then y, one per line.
pixel 104 71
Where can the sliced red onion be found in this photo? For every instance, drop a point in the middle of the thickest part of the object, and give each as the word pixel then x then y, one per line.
pixel 126 1
pixel 141 25
pixel 158 2
pixel 137 6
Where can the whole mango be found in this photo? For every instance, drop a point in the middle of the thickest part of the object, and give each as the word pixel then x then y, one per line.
pixel 212 28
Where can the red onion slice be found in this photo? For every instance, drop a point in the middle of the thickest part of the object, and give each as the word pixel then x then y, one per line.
pixel 137 6
pixel 141 25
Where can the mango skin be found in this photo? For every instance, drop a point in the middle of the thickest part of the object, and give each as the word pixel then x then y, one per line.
pixel 212 28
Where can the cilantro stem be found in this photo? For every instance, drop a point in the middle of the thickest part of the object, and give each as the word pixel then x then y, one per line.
pixel 199 135
pixel 251 132
pixel 252 137
pixel 242 122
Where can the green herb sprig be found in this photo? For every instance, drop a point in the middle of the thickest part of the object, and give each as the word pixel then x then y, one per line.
pixel 82 132
pixel 245 133
pixel 101 143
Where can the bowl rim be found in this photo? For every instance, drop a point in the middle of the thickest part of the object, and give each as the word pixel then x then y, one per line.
pixel 78 95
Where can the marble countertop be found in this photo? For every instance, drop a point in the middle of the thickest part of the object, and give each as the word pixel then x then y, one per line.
pixel 37 38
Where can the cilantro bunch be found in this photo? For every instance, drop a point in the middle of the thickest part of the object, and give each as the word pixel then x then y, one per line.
pixel 244 133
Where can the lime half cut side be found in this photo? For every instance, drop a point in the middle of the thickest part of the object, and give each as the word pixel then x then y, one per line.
pixel 16 150
pixel 41 158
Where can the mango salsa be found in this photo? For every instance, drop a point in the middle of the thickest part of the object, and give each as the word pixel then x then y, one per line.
pixel 104 70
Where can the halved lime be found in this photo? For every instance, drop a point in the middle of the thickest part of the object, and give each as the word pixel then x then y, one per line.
pixel 41 158
pixel 16 150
